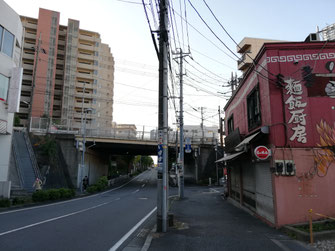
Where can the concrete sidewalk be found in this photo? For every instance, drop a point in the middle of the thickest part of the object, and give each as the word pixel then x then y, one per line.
pixel 204 221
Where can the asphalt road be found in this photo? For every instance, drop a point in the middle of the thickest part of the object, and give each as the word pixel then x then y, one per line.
pixel 97 222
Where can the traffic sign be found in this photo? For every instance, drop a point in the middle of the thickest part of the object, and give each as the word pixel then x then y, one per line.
pixel 262 152
pixel 188 148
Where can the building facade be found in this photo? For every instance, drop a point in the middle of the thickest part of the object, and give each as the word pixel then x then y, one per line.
pixel 286 103
pixel 249 48
pixel 10 86
pixel 67 72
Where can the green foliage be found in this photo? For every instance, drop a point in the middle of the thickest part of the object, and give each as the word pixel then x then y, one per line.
pixel 4 202
pixel 92 189
pixel 53 194
pixel 49 147
pixel 318 227
pixel 17 120
pixel 101 185
pixel 40 195
pixel 18 201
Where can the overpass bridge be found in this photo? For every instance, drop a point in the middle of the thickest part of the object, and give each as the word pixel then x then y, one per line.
pixel 102 145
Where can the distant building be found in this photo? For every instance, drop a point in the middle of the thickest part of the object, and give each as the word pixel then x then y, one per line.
pixel 74 72
pixel 10 86
pixel 249 48
pixel 205 134
pixel 286 103
pixel 328 33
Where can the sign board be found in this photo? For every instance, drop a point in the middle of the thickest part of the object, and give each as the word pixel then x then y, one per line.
pixel 160 154
pixel 188 148
pixel 262 152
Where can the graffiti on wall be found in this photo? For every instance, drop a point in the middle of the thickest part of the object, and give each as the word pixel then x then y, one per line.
pixel 326 156
pixel 296 108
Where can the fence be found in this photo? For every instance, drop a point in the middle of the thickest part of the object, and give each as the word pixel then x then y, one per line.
pixel 127 132
pixel 310 212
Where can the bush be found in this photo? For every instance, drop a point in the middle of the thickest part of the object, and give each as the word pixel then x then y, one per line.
pixel 102 183
pixel 54 194
pixel 40 195
pixel 18 201
pixel 4 202
pixel 92 189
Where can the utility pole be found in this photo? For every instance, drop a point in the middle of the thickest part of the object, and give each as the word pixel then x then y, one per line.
pixel 202 125
pixel 162 120
pixel 221 128
pixel 33 82
pixel 181 126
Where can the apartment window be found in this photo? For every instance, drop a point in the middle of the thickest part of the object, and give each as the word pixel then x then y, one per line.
pixel 230 124
pixel 4 83
pixel 6 41
pixel 254 108
pixel 96 53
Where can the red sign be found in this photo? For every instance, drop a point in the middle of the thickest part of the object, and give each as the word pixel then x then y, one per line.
pixel 262 152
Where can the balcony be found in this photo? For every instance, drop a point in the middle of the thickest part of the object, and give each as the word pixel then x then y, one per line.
pixel 27 66
pixel 85 56
pixel 86 66
pixel 86 47
pixel 27 77
pixel 244 62
pixel 84 75
pixel 30 35
pixel 30 25
pixel 28 55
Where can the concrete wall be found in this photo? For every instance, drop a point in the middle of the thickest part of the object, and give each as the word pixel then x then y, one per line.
pixel 202 166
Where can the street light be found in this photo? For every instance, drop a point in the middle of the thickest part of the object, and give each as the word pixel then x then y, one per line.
pixel 84 149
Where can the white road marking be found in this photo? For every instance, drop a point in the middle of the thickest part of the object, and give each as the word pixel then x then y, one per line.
pixel 126 236
pixel 68 201
pixel 143 198
pixel 143 185
pixel 53 219
pixel 136 191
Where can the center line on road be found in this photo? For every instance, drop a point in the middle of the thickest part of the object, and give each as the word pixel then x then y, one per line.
pixel 53 219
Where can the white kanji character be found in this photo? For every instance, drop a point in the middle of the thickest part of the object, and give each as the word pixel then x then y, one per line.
pixel 298 117
pixel 294 102
pixel 299 134
pixel 293 87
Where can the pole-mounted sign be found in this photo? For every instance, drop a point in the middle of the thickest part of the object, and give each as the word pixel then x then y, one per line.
pixel 262 152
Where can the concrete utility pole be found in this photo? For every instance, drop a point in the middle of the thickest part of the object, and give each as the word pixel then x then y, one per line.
pixel 181 126
pixel 34 82
pixel 202 125
pixel 162 183
pixel 221 128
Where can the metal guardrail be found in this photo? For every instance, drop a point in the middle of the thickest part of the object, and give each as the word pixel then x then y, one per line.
pixel 39 125
pixel 32 156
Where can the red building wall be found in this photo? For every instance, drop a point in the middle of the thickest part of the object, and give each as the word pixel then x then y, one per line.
pixel 44 30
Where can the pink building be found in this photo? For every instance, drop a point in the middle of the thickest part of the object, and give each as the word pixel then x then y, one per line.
pixel 286 102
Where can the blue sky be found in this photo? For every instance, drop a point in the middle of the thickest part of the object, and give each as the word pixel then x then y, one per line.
pixel 124 27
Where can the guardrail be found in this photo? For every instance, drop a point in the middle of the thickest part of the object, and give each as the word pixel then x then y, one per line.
pixel 42 126
pixel 310 216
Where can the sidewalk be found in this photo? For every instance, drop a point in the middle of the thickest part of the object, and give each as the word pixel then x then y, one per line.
pixel 204 221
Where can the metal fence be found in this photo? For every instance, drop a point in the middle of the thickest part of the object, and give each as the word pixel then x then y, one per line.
pixel 44 125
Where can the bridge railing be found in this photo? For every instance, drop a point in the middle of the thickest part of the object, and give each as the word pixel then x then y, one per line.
pixel 57 126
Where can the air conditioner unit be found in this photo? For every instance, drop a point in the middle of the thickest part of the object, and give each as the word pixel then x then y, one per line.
pixel 289 167
pixel 279 167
